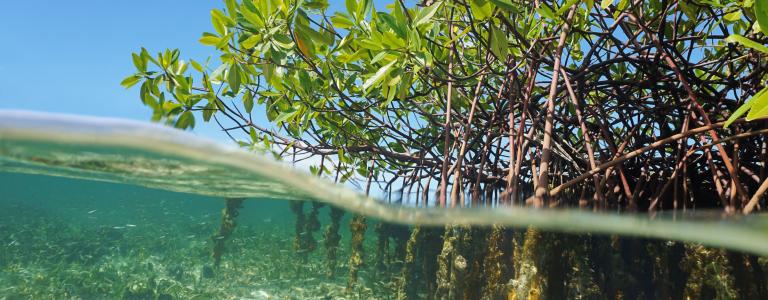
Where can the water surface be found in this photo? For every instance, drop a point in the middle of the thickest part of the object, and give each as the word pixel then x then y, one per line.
pixel 128 209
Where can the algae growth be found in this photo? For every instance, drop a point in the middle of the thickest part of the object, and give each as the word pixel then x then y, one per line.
pixel 103 232
pixel 83 239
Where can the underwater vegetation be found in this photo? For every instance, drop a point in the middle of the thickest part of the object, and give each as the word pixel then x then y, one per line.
pixel 47 252
pixel 105 234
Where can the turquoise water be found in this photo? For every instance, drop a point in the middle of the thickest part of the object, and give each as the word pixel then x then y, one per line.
pixel 102 208
pixel 111 240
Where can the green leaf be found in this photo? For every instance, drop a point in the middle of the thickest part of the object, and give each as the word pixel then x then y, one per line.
pixel 306 33
pixel 759 101
pixel 139 62
pixel 221 17
pixel 691 10
pixel 506 5
pixel 197 66
pixel 736 114
pixel 342 21
pixel 342 158
pixel 210 40
pixel 254 18
pixel 566 6
pixel 391 92
pixel 397 147
pixel 392 23
pixel 248 101
pixel 733 16
pixel 186 120
pixel 546 12
pixel 363 8
pixel 759 108
pixel 316 4
pixel 499 45
pixel 146 57
pixel 282 41
pixel 606 3
pixel 130 81
pixel 251 41
pixel 218 24
pixel 481 9
pixel 379 76
pixel 425 14
pixel 761 12
pixel 231 8
pixel 252 133
pixel 210 109
pixel 233 78
pixel 351 7
pixel 621 6
pixel 270 94
pixel 735 38
pixel 286 115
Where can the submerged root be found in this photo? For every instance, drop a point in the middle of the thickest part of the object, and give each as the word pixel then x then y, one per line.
pixel 382 245
pixel 527 281
pixel 332 239
pixel 228 215
pixel 444 264
pixel 357 228
pixel 385 258
pixel 406 286
pixel 429 250
pixel 456 264
pixel 493 264
pixel 300 239
pixel 709 274
pixel 581 278
pixel 312 225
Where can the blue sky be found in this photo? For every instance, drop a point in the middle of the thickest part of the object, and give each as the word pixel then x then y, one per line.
pixel 70 56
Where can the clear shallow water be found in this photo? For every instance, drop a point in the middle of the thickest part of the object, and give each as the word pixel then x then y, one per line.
pixel 62 237
pixel 162 158
pixel 128 209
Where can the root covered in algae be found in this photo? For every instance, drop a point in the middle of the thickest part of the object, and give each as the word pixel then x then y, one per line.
pixel 406 287
pixel 387 233
pixel 456 264
pixel 581 276
pixel 300 243
pixel 494 266
pixel 357 227
pixel 444 264
pixel 228 215
pixel 709 274
pixel 382 244
pixel 332 239
pixel 306 224
pixel 312 225
pixel 527 282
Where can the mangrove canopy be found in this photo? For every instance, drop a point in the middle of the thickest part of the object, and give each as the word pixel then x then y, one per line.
pixel 612 103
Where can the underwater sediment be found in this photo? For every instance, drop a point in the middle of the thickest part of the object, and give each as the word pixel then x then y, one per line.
pixel 128 242
pixel 169 259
